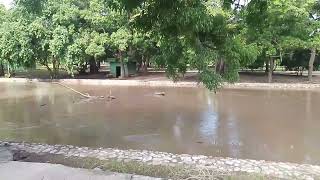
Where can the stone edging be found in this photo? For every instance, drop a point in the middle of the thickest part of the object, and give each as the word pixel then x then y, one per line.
pixel 108 82
pixel 223 165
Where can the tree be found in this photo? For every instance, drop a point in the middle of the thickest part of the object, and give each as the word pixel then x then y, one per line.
pixel 50 30
pixel 145 49
pixel 261 24
pixel 305 31
pixel 298 60
pixel 76 57
pixel 191 34
pixel 178 35
pixel 313 42
pixel 3 13
pixel 96 48
pixel 15 45
pixel 119 41
pixel 278 26
pixel 99 20
pixel 58 33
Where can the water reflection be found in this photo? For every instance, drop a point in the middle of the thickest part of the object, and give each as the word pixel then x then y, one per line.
pixel 255 124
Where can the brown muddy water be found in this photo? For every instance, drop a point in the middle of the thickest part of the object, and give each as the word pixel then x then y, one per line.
pixel 277 125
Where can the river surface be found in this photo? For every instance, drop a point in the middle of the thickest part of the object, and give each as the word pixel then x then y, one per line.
pixel 277 125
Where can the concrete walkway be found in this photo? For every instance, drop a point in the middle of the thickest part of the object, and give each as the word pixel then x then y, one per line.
pixel 37 171
pixel 5 155
pixel 13 170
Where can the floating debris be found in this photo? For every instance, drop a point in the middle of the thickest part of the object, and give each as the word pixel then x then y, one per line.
pixel 160 93
pixel 82 94
pixel 87 96
pixel 110 97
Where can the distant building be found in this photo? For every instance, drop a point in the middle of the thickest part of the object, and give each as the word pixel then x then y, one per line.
pixel 115 68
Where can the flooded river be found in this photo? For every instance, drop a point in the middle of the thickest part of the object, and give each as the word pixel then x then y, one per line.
pixel 277 125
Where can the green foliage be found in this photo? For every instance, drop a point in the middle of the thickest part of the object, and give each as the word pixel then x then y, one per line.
pixel 120 39
pixel 174 34
pixel 3 13
pixel 15 45
pixel 281 26
pixel 299 59
pixel 238 54
pixel 96 45
pixel 194 34
pixel 211 80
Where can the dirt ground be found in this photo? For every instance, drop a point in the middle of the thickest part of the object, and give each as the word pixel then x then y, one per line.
pixel 278 77
pixel 245 77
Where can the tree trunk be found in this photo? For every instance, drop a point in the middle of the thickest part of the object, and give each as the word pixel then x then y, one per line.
pixel 123 71
pixel 141 64
pixel 267 67
pixel 98 65
pixel 311 62
pixel 1 69
pixel 145 63
pixel 220 66
pixel 50 71
pixel 8 71
pixel 55 67
pixel 93 65
pixel 291 60
pixel 45 63
pixel 270 72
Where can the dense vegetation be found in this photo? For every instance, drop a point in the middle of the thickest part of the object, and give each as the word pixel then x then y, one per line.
pixel 214 37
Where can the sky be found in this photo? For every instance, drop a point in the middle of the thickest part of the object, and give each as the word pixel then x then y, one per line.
pixel 6 2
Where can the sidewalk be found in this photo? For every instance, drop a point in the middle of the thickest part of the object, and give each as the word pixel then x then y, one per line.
pixel 36 171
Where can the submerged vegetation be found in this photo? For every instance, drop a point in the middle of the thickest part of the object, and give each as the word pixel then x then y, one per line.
pixel 214 37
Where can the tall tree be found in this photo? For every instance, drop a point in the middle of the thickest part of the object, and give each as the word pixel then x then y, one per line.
pixel 119 41
pixel 279 25
pixel 15 44
pixel 194 34
pixel 313 40
pixel 3 15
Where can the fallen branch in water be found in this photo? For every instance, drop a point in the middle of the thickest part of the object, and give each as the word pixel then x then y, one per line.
pixel 78 92
pixel 160 93
pixel 110 97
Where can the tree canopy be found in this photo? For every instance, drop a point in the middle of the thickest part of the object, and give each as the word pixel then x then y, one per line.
pixel 214 37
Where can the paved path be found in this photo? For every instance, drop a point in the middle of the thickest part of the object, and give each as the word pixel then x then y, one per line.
pixel 5 155
pixel 36 171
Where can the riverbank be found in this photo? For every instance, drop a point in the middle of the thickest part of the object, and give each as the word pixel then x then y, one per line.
pixel 248 79
pixel 191 76
pixel 163 83
pixel 193 164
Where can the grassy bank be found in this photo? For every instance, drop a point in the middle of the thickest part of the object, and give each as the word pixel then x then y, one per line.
pixel 138 168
